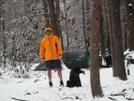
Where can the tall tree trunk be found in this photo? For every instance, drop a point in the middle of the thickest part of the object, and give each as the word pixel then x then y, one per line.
pixel 46 13
pixel 84 25
pixel 53 17
pixel 94 49
pixel 129 4
pixel 102 43
pixel 110 20
pixel 66 23
pixel 58 21
pixel 87 21
pixel 4 43
pixel 106 28
pixel 116 40
pixel 123 24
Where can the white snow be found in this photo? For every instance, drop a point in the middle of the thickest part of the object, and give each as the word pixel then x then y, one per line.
pixel 130 4
pixel 36 87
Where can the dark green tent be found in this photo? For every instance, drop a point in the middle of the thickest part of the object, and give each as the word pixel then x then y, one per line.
pixel 40 67
pixel 71 58
pixel 76 58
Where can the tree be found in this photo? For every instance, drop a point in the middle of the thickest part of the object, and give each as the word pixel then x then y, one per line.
pixel 53 17
pixel 66 24
pixel 102 44
pixel 105 42
pixel 58 21
pixel 129 5
pixel 86 6
pixel 116 39
pixel 94 48
pixel 19 30
pixel 4 44
pixel 84 25
pixel 46 13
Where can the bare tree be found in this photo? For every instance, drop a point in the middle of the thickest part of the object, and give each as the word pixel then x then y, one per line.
pixel 20 23
pixel 130 23
pixel 3 40
pixel 116 39
pixel 53 17
pixel 94 48
pixel 66 24
pixel 58 21
pixel 87 13
pixel 84 25
pixel 4 46
pixel 46 13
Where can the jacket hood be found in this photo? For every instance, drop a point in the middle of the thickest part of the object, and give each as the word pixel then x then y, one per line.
pixel 48 29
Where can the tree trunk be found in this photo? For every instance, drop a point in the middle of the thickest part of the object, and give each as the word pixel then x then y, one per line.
pixel 106 28
pixel 130 23
pixel 123 24
pixel 116 40
pixel 66 24
pixel 46 13
pixel 94 49
pixel 110 25
pixel 102 43
pixel 87 21
pixel 4 43
pixel 83 18
pixel 53 17
pixel 58 21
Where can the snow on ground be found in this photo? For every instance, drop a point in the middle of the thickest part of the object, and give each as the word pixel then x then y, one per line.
pixel 36 87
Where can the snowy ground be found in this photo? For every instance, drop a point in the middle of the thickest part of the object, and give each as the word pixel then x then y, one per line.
pixel 36 87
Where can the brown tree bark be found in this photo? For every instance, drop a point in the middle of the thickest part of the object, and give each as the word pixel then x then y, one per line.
pixel 116 39
pixel 102 37
pixel 110 20
pixel 46 13
pixel 87 21
pixel 94 49
pixel 106 28
pixel 83 19
pixel 4 43
pixel 58 21
pixel 66 24
pixel 53 17
pixel 130 23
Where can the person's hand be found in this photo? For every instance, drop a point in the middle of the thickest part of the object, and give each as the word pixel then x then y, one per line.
pixel 42 60
pixel 83 72
pixel 60 57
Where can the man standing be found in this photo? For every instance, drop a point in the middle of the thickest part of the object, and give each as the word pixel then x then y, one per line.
pixel 51 54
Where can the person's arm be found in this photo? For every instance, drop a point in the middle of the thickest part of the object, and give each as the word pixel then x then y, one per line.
pixel 59 48
pixel 42 52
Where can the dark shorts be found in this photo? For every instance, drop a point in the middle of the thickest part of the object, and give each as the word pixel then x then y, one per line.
pixel 53 64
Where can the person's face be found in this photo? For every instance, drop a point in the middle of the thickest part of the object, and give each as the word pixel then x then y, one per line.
pixel 48 32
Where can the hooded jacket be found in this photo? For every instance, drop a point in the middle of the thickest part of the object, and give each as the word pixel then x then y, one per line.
pixel 50 47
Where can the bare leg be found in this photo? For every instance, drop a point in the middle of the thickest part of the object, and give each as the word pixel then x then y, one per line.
pixel 60 76
pixel 59 73
pixel 49 74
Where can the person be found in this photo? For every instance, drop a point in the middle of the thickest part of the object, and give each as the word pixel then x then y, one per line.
pixel 51 54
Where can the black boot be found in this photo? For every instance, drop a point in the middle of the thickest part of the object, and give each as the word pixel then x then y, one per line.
pixel 61 83
pixel 50 84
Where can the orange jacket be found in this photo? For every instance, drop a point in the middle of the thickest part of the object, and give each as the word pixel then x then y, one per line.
pixel 50 47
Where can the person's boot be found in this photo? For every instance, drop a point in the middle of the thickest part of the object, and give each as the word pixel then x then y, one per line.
pixel 61 83
pixel 50 84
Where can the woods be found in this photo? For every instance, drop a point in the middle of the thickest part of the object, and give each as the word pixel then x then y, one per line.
pixel 102 27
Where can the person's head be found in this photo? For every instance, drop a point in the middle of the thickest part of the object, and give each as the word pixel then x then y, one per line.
pixel 48 31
